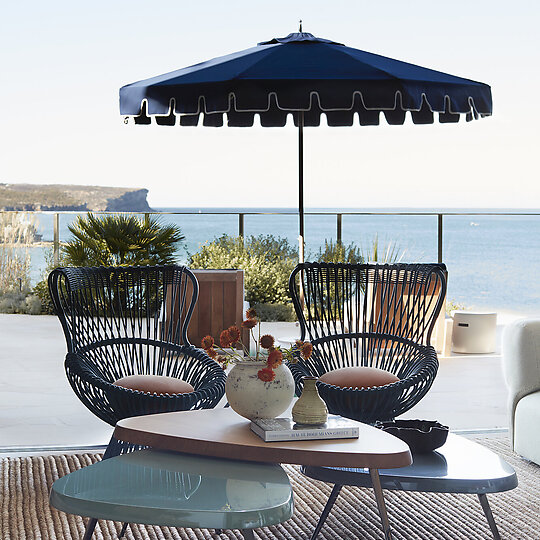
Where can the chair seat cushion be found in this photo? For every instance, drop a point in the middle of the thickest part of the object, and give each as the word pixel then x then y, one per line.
pixel 358 377
pixel 155 384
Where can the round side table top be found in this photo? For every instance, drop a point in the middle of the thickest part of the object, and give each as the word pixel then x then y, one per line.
pixel 223 433
pixel 459 466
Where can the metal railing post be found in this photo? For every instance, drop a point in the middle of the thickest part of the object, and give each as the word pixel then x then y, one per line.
pixel 339 224
pixel 439 238
pixel 56 240
pixel 241 225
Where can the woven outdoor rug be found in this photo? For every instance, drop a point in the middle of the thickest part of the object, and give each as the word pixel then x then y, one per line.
pixel 25 513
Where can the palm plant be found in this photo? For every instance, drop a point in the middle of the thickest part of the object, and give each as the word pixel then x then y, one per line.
pixel 121 240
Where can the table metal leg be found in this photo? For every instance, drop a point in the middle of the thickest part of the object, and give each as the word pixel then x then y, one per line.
pixel 123 531
pixel 248 534
pixel 90 526
pixel 487 511
pixel 326 510
pixel 376 482
pixel 113 449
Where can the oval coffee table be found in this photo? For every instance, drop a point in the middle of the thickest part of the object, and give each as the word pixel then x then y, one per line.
pixel 225 437
pixel 222 433
pixel 460 466
pixel 155 487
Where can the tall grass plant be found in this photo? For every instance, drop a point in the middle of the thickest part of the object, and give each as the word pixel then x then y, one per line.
pixel 17 231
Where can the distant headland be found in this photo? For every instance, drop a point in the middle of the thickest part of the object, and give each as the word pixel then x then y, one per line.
pixel 58 197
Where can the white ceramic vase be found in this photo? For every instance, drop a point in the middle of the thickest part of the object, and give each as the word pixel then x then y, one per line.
pixel 252 398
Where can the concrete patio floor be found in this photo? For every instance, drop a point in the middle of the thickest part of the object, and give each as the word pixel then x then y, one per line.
pixel 38 409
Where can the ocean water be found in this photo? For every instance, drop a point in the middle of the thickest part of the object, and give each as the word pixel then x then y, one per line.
pixel 493 261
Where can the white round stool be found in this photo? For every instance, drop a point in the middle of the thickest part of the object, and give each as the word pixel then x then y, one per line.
pixel 474 332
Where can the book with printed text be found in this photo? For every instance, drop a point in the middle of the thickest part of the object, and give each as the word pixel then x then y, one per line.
pixel 284 429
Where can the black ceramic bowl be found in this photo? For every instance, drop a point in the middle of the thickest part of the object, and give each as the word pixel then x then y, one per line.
pixel 421 435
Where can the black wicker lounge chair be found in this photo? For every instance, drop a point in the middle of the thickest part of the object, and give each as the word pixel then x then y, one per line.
pixel 371 315
pixel 123 321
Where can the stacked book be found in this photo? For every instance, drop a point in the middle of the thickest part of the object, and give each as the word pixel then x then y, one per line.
pixel 284 429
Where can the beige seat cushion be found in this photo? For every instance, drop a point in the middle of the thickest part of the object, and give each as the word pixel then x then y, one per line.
pixel 155 384
pixel 358 377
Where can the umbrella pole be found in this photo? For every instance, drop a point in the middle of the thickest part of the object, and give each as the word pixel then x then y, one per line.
pixel 301 184
pixel 301 198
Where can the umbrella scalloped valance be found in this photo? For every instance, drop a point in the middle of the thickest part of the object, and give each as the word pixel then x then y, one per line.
pixel 303 73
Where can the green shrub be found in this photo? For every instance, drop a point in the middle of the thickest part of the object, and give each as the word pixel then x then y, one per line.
pixel 121 240
pixel 12 302
pixel 33 304
pixel 20 302
pixel 276 312
pixel 41 291
pixel 267 262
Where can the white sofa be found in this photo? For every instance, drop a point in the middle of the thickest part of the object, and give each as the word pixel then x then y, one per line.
pixel 521 368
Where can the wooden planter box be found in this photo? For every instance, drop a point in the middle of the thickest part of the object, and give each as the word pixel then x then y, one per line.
pixel 220 304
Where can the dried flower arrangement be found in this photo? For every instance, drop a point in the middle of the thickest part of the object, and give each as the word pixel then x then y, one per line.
pixel 265 348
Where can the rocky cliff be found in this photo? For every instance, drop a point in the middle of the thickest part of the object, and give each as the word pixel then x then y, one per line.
pixel 57 197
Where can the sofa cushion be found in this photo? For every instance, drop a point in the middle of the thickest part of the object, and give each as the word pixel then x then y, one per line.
pixel 358 377
pixel 526 432
pixel 155 384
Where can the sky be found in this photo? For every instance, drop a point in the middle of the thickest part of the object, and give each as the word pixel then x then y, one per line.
pixel 63 62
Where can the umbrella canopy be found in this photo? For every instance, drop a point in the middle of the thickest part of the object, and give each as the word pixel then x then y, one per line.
pixel 306 76
pixel 304 73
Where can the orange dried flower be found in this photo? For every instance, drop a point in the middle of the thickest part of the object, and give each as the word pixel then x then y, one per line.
pixel 306 350
pixel 211 352
pixel 275 358
pixel 225 339
pixel 249 323
pixel 223 360
pixel 251 313
pixel 207 342
pixel 298 343
pixel 266 375
pixel 234 334
pixel 267 341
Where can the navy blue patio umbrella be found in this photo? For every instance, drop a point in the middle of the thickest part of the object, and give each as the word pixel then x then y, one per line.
pixel 304 76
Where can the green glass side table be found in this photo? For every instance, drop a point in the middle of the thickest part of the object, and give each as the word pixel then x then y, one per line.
pixel 154 487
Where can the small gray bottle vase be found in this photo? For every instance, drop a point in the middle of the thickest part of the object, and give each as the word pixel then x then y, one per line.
pixel 310 409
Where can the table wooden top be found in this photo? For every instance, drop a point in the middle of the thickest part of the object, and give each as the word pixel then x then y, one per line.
pixel 223 433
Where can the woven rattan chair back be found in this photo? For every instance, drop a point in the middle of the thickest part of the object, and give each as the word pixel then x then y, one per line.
pixel 401 300
pixel 122 321
pixel 370 315
pixel 119 305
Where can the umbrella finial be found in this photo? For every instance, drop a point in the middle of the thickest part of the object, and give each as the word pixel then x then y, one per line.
pixel 300 27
